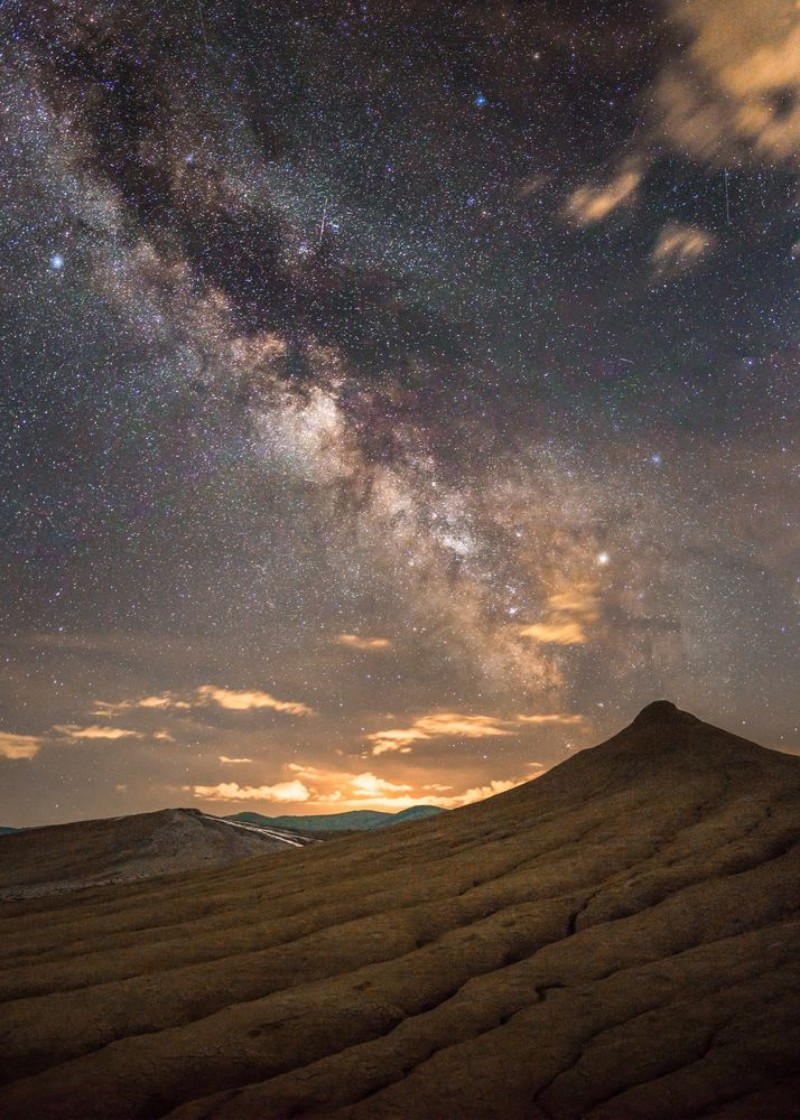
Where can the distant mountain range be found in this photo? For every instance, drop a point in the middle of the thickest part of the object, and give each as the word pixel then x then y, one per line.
pixel 359 820
pixel 5 831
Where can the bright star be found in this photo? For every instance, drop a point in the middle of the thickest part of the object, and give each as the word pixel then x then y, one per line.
pixel 57 261
pixel 603 558
pixel 480 100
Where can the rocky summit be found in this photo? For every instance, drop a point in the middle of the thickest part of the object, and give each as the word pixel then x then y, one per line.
pixel 618 940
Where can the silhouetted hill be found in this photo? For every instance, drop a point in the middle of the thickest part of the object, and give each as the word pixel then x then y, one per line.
pixel 618 940
pixel 359 820
pixel 60 858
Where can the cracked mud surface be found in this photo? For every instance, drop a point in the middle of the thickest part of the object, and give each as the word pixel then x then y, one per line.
pixel 619 939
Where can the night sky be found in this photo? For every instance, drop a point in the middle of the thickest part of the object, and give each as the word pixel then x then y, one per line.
pixel 396 397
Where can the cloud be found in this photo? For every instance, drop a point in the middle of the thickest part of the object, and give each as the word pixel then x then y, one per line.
pixel 74 731
pixel 452 725
pixel 736 91
pixel 249 700
pixel 231 791
pixel 679 246
pixel 306 772
pixel 355 641
pixel 382 794
pixel 163 702
pixel 368 785
pixel 569 613
pixel 233 761
pixel 589 204
pixel 325 789
pixel 566 633
pixel 533 185
pixel 235 700
pixel 19 746
pixel 478 793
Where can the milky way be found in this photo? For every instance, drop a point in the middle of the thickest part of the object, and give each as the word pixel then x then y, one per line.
pixel 396 397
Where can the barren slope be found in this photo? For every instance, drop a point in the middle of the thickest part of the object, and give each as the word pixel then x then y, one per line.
pixel 618 939
pixel 67 857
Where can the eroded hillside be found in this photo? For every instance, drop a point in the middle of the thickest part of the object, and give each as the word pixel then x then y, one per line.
pixel 618 939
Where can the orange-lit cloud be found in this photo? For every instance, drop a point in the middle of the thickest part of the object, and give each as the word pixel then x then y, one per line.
pixel 580 599
pixel 319 789
pixel 533 185
pixel 451 725
pixel 590 204
pixel 74 731
pixel 679 246
pixel 562 633
pixel 19 746
pixel 368 785
pixel 569 613
pixel 162 702
pixel 234 700
pixel 735 92
pixel 249 700
pixel 233 761
pixel 293 791
pixel 355 791
pixel 478 793
pixel 355 641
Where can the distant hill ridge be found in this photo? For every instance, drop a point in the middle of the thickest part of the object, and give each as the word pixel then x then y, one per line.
pixel 61 858
pixel 359 820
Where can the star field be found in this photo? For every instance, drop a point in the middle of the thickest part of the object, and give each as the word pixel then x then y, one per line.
pixel 395 397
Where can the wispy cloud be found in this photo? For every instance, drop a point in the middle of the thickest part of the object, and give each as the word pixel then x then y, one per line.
pixel 249 700
pixel 95 731
pixel 207 695
pixel 479 793
pixel 368 785
pixel 590 203
pixel 568 615
pixel 231 791
pixel 532 185
pixel 233 761
pixel 313 786
pixel 564 632
pixel 361 790
pixel 437 725
pixel 19 746
pixel 165 701
pixel 356 641
pixel 680 246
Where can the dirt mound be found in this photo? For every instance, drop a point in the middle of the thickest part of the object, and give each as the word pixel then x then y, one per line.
pixel 619 939
pixel 67 857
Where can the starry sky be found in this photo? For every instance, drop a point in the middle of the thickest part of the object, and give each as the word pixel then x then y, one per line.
pixel 396 397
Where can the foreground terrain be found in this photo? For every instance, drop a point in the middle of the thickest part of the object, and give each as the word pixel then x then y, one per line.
pixel 619 939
